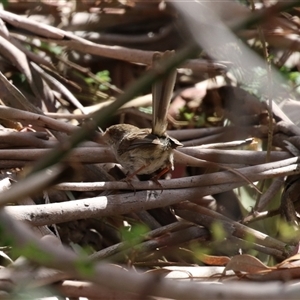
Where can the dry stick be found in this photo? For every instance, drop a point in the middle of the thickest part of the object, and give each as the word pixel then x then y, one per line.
pixel 16 57
pixel 227 133
pixel 265 214
pixel 59 87
pixel 9 164
pixel 255 173
pixel 19 59
pixel 9 139
pixel 65 38
pixel 141 101
pixel 33 185
pixel 156 246
pixel 39 60
pixel 40 231
pixel 239 244
pixel 227 145
pixel 88 73
pixel 8 113
pixel 41 276
pixel 239 230
pixel 88 155
pixel 34 57
pixel 75 289
pixel 131 281
pixel 68 116
pixel 98 154
pixel 271 192
pixel 288 128
pixel 258 172
pixel 47 214
pixel 231 239
pixel 132 55
pixel 126 203
pixel 91 152
pixel 62 258
pixel 191 160
pixel 258 216
pixel 116 248
pixel 247 157
pixel 11 96
pixel 193 133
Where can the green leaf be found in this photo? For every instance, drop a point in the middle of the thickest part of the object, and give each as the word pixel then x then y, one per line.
pixel 4 2
pixel 134 234
pixel 103 76
pixel 85 267
pixel 218 231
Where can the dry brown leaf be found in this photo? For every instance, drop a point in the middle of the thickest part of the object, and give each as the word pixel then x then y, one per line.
pixel 291 262
pixel 246 263
pixel 213 260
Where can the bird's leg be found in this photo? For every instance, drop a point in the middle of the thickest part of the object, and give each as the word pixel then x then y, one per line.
pixel 154 178
pixel 160 174
pixel 128 181
pixel 129 177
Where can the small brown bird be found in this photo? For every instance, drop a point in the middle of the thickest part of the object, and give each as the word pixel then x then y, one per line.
pixel 145 151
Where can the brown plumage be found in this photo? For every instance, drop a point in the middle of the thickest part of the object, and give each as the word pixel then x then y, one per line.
pixel 145 151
